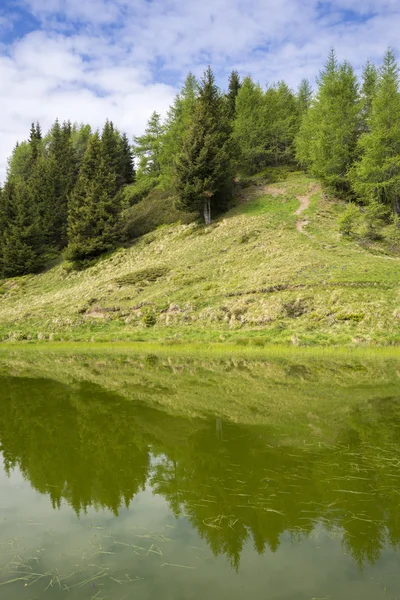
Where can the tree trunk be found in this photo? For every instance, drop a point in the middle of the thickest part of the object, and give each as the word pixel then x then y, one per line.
pixel 207 211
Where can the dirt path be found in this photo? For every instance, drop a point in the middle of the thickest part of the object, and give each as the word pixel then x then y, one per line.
pixel 304 204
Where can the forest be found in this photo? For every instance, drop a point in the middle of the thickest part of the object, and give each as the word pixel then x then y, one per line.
pixel 78 193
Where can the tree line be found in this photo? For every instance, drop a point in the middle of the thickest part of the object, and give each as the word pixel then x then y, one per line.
pixel 67 191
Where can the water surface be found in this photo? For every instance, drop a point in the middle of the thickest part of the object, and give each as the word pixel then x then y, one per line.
pixel 105 495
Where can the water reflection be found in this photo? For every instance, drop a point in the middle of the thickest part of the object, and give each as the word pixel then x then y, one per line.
pixel 236 483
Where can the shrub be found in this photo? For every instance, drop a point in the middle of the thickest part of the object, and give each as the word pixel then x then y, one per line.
pixel 149 274
pixel 349 220
pixel 149 318
pixel 148 214
pixel 375 216
pixel 392 233
pixel 134 193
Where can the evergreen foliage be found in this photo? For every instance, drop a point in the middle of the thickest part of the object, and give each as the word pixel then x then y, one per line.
pixel 147 147
pixel 203 171
pixel 66 190
pixel 326 142
pixel 93 208
pixel 376 176
pixel 233 90
pixel 177 123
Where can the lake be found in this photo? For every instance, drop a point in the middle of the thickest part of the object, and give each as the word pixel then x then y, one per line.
pixel 119 480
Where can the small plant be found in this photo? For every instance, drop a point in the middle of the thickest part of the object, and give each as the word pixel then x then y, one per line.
pixel 349 219
pixel 149 318
pixel 150 274
pixel 295 308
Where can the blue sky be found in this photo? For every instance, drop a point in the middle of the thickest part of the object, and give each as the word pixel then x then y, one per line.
pixel 89 60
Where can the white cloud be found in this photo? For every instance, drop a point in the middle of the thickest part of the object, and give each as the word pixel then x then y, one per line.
pixel 93 59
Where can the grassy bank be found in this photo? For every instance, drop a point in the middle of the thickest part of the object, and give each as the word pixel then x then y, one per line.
pixel 250 279
pixel 293 389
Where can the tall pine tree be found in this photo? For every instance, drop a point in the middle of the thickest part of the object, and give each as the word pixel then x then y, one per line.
pixel 376 177
pixel 233 90
pixel 94 206
pixel 326 142
pixel 203 171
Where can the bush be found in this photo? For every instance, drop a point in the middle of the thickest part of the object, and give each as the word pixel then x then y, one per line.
pixel 375 216
pixel 134 193
pixel 149 318
pixel 349 220
pixel 149 274
pixel 392 233
pixel 148 214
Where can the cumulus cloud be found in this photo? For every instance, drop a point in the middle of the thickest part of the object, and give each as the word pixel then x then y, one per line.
pixel 88 60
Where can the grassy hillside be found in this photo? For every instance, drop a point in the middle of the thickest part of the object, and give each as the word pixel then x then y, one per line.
pixel 259 274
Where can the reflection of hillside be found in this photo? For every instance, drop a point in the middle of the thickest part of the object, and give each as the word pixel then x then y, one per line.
pixel 89 447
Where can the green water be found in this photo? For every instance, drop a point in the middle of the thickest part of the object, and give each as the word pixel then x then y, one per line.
pixel 105 495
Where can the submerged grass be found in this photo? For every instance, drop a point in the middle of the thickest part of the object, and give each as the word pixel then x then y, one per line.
pixel 234 281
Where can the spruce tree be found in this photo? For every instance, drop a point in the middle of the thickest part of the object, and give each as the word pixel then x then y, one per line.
pixel 280 124
pixel 376 177
pixel 62 170
pixel 304 98
pixel 177 123
pixel 147 147
pixel 22 248
pixel 326 142
pixel 368 90
pixel 203 171
pixel 94 206
pixel 249 132
pixel 233 90
pixel 126 167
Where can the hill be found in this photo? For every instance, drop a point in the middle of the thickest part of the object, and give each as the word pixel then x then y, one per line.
pixel 274 269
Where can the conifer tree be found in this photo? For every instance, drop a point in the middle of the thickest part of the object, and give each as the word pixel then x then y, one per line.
pixel 62 172
pixel 249 132
pixel 126 166
pixel 280 123
pixel 203 171
pixel 233 90
pixel 147 147
pixel 368 90
pixel 22 246
pixel 304 98
pixel 376 177
pixel 94 207
pixel 327 138
pixel 177 123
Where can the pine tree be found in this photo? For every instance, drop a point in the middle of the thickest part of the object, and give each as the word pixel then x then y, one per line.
pixel 304 98
pixel 376 177
pixel 94 207
pixel 326 142
pixel 22 246
pixel 147 147
pixel 368 90
pixel 249 132
pixel 233 90
pixel 280 124
pixel 177 123
pixel 126 166
pixel 60 178
pixel 203 171
pixel 35 138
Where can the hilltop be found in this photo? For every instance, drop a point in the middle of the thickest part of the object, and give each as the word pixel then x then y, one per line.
pixel 273 269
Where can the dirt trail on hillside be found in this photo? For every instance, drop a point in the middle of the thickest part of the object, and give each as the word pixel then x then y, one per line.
pixel 304 204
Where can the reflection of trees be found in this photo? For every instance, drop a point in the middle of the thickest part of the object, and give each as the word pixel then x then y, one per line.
pixel 79 445
pixel 89 447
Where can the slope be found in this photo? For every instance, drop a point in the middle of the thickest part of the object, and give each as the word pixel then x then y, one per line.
pixel 274 269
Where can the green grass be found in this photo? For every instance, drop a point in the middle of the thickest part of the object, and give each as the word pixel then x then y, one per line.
pixel 238 281
pixel 280 386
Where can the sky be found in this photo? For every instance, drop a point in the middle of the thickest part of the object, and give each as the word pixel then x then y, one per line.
pixel 88 60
